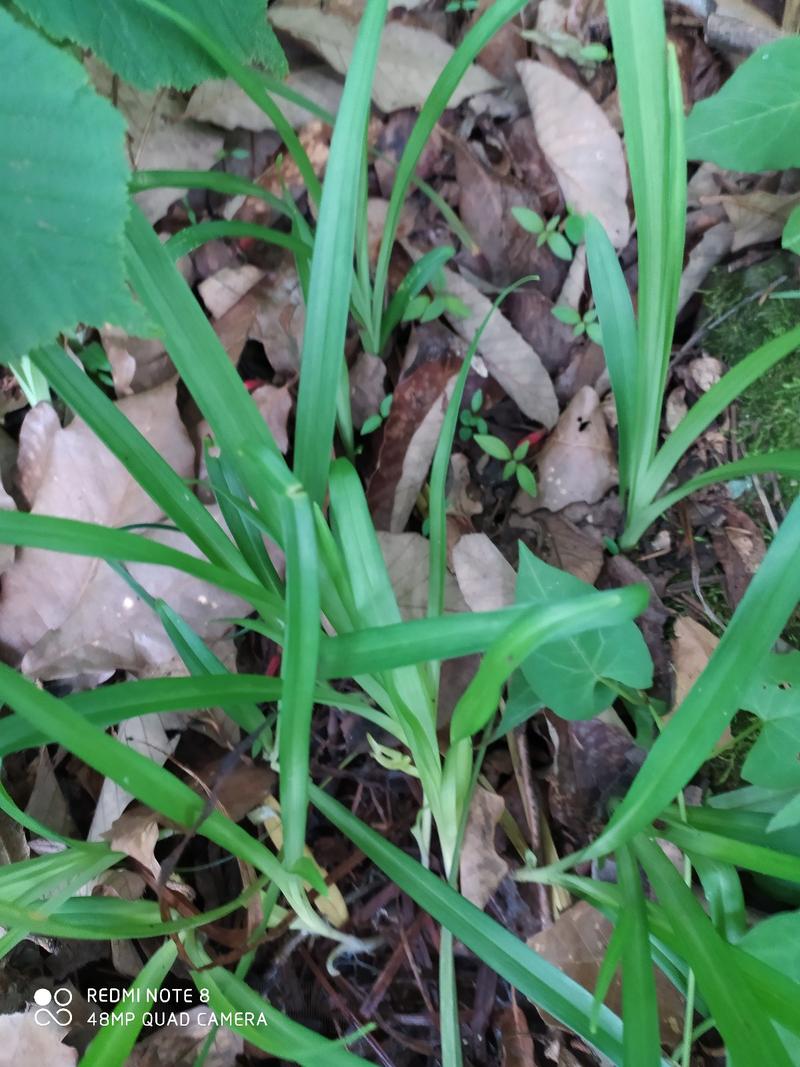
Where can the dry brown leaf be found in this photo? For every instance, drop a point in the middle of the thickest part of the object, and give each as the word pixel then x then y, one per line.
pixel 570 548
pixel 135 833
pixel 481 868
pixel 39 430
pixel 409 62
pixel 576 943
pixel 516 1044
pixel 26 1043
pixel 367 388
pixel 692 646
pixel 485 577
pixel 676 407
pixel 706 371
pixel 582 147
pixel 46 802
pixel 220 291
pixel 407 560
pixel 757 216
pixel 222 103
pixel 577 461
pixel 137 364
pixel 76 477
pixel 147 736
pixel 740 548
pixel 13 842
pixel 713 246
pixel 110 628
pixel 178 1045
pixel 158 136
pixel 275 406
pixel 510 359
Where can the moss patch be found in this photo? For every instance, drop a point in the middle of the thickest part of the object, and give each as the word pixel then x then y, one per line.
pixel 769 411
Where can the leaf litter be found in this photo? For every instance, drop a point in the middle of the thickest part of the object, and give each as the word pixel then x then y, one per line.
pixel 555 147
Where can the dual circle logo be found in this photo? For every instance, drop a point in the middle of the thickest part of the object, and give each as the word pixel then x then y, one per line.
pixel 52 1007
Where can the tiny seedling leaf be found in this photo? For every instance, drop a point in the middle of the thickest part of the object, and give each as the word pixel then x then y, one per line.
pixel 569 316
pixel 560 246
pixel 526 480
pixel 493 446
pixel 528 220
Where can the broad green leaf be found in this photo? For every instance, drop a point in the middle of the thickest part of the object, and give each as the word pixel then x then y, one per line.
pixel 773 760
pixel 753 122
pixel 63 196
pixel 147 50
pixel 568 675
pixel 791 233
pixel 774 690
pixel 774 941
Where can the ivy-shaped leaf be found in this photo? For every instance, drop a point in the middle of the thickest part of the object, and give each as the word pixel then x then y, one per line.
pixel 568 675
pixel 774 760
pixel 148 50
pixel 753 122
pixel 63 196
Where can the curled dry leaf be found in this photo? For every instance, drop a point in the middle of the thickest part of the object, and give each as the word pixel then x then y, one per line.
pixel 482 869
pixel 706 371
pixel 692 646
pixel 577 461
pixel 517 1047
pixel 75 476
pixel 740 548
pixel 135 833
pixel 510 359
pixel 758 216
pixel 222 290
pixel 712 247
pixel 275 405
pixel 137 364
pixel 367 388
pixel 222 103
pixel 582 147
pixel 26 1043
pixel 409 62
pixel 46 802
pixel 159 138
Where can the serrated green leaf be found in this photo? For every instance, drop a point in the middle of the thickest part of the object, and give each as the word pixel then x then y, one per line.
pixel 791 233
pixel 753 122
pixel 568 675
pixel 560 246
pixel 528 220
pixel 493 446
pixel 149 51
pixel 63 196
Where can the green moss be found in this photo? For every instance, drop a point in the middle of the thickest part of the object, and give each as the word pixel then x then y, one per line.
pixel 768 410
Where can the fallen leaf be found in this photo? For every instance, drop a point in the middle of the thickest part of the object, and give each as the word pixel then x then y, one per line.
pixel 275 405
pixel 577 461
pixel 179 1044
pixel 757 216
pixel 740 548
pixel 147 736
pixel 13 842
pixel 158 136
pixel 712 247
pixel 75 476
pixel 222 103
pixel 135 833
pixel 46 802
pixel 39 430
pixel 111 628
pixel 692 646
pixel 222 290
pixel 409 61
pixel 282 177
pixel 485 577
pixel 27 1043
pixel 510 359
pixel 570 548
pixel 407 560
pixel 582 147
pixel 137 364
pixel 576 943
pixel 516 1044
pixel 367 388
pixel 481 868
pixel 706 371
pixel 676 407
pixel 410 436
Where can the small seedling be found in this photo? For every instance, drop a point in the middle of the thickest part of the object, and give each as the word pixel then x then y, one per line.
pixel 566 46
pixel 424 308
pixel 471 421
pixel 514 466
pixel 581 324
pixel 377 420
pixel 549 232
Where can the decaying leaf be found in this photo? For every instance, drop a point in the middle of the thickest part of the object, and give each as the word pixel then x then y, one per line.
pixel 225 288
pixel 577 942
pixel 159 138
pixel 510 359
pixel 692 645
pixel 26 1043
pixel 137 364
pixel 46 802
pixel 407 559
pixel 740 548
pixel 367 388
pixel 517 1047
pixel 482 869
pixel 485 577
pixel 582 147
pixel 570 548
pixel 409 62
pixel 757 216
pixel 577 461
pixel 222 103
pixel 713 246
pixel 13 843
pixel 135 833
pixel 178 1045
pixel 275 405
pixel 75 476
